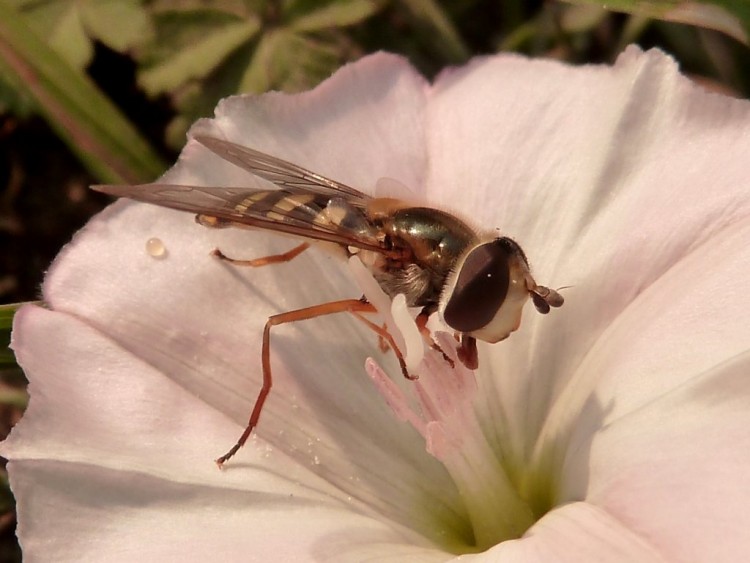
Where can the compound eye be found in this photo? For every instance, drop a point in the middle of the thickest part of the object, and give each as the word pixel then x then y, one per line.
pixel 480 289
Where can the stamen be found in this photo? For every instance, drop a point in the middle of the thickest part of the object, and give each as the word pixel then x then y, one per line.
pixel 441 409
pixel 393 396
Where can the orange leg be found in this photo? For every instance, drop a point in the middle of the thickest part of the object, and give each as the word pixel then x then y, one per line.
pixel 421 321
pixel 385 337
pixel 357 307
pixel 265 260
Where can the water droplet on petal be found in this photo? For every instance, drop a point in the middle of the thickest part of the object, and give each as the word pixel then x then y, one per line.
pixel 155 248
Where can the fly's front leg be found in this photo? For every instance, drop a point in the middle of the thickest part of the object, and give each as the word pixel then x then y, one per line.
pixel 421 320
pixel 467 352
pixel 287 256
pixel 386 342
pixel 357 307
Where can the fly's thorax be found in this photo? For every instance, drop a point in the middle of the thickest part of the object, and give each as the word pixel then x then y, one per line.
pixel 484 295
pixel 425 244
pixel 435 239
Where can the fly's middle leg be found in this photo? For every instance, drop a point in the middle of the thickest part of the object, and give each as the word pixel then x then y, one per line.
pixel 356 307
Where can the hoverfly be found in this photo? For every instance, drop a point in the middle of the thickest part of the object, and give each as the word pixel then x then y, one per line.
pixel 478 282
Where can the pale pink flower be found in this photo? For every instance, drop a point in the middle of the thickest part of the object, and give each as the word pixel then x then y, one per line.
pixel 614 429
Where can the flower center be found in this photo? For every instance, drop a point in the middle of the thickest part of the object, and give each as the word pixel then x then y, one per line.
pixel 441 409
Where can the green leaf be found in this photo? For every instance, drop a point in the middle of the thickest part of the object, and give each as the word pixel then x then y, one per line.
pixel 436 29
pixel 119 24
pixel 581 19
pixel 68 26
pixel 262 71
pixel 93 127
pixel 284 60
pixel 7 312
pixel 198 99
pixel 12 380
pixel 13 99
pixel 60 24
pixel 195 43
pixel 208 49
pixel 69 38
pixel 728 16
pixel 339 13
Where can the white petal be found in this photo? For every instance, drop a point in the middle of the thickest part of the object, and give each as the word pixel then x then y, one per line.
pixel 95 404
pixel 662 442
pixel 676 470
pixel 680 326
pixel 91 514
pixel 177 338
pixel 200 321
pixel 591 171
pixel 114 458
pixel 364 123
pixel 575 533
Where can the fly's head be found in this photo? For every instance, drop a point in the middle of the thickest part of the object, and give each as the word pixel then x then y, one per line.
pixel 485 294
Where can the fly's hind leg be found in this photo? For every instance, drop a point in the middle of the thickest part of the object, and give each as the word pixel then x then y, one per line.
pixel 356 307
pixel 287 256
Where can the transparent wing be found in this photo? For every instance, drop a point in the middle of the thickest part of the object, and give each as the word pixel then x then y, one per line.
pixel 239 207
pixel 280 172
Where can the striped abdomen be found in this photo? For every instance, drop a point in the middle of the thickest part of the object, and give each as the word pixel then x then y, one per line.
pixel 311 212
